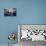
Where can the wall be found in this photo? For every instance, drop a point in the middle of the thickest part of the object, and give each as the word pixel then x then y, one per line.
pixel 28 12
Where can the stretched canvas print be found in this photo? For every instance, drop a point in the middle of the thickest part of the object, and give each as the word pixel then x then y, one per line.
pixel 33 32
pixel 10 12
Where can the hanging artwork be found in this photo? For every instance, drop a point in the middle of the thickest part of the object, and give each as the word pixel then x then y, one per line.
pixel 32 32
pixel 12 37
pixel 10 12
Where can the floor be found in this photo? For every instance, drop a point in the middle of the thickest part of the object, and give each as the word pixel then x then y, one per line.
pixel 30 43
pixel 7 45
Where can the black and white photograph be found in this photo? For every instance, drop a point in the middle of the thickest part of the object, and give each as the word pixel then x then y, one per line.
pixel 10 12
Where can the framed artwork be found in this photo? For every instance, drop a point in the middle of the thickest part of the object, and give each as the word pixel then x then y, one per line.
pixel 32 32
pixel 9 11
